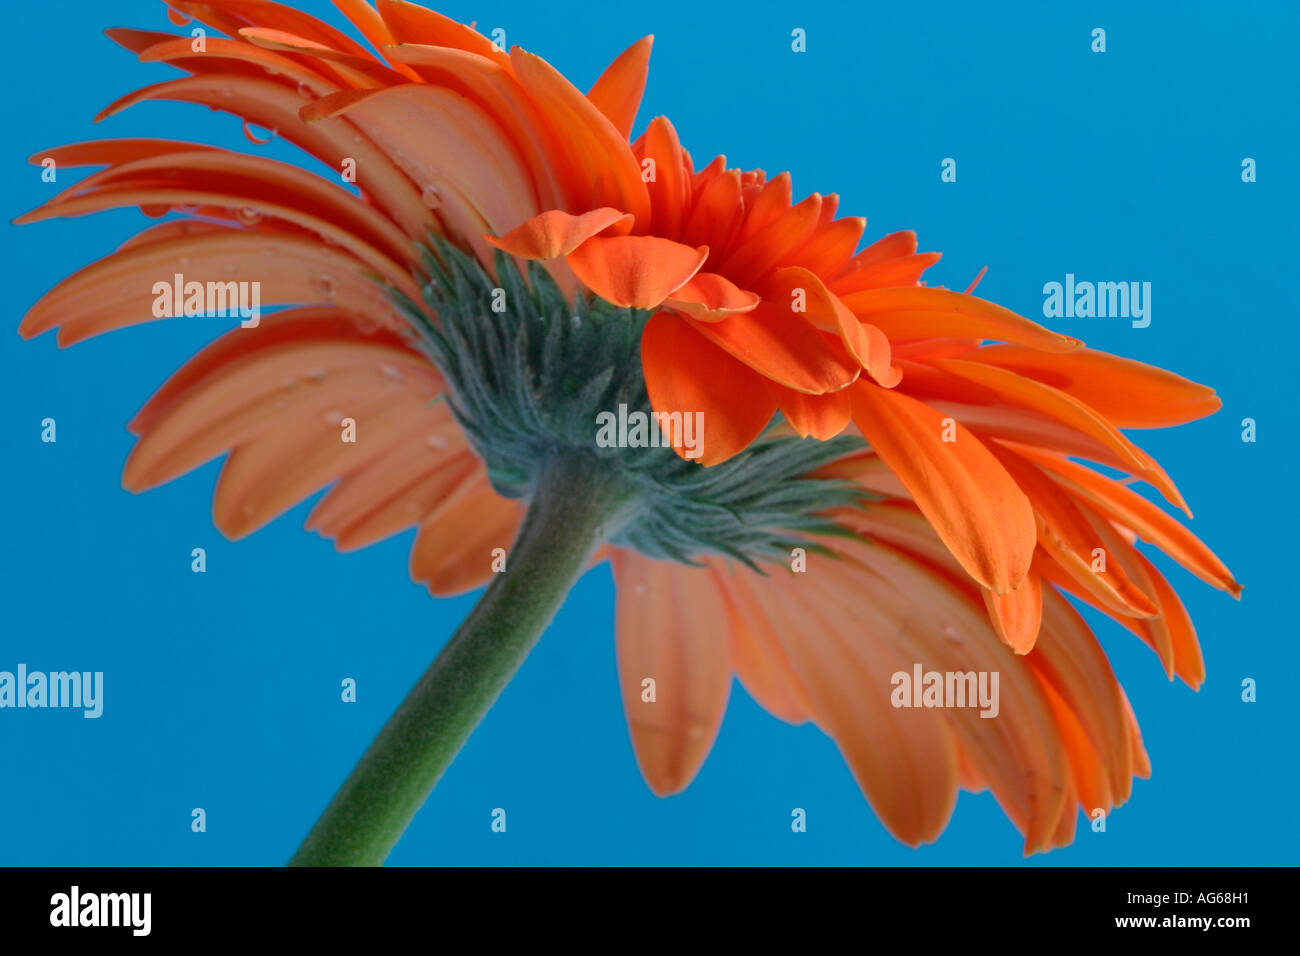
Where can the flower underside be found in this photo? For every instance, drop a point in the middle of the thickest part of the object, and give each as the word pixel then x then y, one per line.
pixel 528 374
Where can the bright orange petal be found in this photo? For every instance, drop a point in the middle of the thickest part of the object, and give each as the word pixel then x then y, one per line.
pixel 709 297
pixel 919 312
pixel 974 505
pixel 685 373
pixel 617 94
pixel 1127 507
pixel 557 233
pixel 1017 615
pixel 636 272
pixel 668 185
pixel 785 348
pixel 865 343
pixel 1130 394
pixel 818 416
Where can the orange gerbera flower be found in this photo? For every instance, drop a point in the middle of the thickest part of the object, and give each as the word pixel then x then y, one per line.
pixel 514 253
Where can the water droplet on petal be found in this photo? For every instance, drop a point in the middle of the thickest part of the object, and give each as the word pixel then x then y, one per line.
pixel 639 589
pixel 183 260
pixel 390 372
pixel 314 376
pixel 431 197
pixel 289 384
pixel 323 285
pixel 156 210
pixel 951 634
pixel 437 442
pixel 230 268
pixel 305 90
pixel 248 130
pixel 248 215
pixel 227 91
pixel 333 416
pixel 177 18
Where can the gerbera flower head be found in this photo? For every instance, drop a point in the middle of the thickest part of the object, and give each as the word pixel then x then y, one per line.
pixel 491 261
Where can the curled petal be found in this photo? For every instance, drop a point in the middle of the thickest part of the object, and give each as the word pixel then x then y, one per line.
pixel 865 343
pixel 709 297
pixel 635 272
pixel 784 348
pixel 556 233
pixel 818 416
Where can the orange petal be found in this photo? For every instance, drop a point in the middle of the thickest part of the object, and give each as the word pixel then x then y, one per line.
pixel 669 187
pixel 903 271
pixel 1017 615
pixel 818 416
pixel 636 272
pixel 974 505
pixel 1188 662
pixel 760 663
pixel 1130 394
pixel 903 759
pixel 1066 534
pixel 1129 508
pixel 685 373
pixel 273 105
pixel 709 297
pixel 117 291
pixel 785 348
pixel 231 16
pixel 672 623
pixel 461 158
pixel 919 312
pixel 453 548
pixel 604 153
pixel 557 233
pixel 715 215
pixel 1014 389
pixel 617 94
pixel 412 23
pixel 865 343
pixel 359 71
pixel 393 493
pixel 754 254
pixel 832 245
pixel 371 25
pixel 234 181
pixel 892 246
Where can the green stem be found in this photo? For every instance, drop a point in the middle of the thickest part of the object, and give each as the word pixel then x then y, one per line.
pixel 575 507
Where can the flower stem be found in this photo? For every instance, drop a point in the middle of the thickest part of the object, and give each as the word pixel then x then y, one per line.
pixel 576 506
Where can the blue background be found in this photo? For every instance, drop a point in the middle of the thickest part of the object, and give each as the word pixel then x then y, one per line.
pixel 222 689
